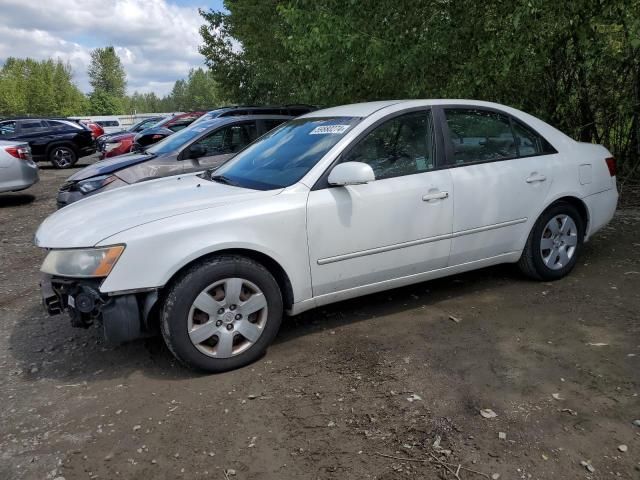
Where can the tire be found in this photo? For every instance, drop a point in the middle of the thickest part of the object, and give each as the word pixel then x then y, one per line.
pixel 199 319
pixel 62 156
pixel 542 263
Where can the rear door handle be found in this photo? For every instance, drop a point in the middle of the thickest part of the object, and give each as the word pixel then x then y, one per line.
pixel 435 196
pixel 536 178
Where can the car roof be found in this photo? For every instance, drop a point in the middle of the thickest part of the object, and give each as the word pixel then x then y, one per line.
pixel 220 121
pixel 366 109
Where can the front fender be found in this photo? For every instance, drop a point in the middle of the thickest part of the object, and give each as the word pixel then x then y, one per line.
pixel 156 251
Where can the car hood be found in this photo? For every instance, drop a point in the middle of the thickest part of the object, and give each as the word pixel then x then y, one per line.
pixel 109 165
pixel 87 222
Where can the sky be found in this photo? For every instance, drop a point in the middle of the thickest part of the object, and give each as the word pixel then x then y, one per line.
pixel 157 40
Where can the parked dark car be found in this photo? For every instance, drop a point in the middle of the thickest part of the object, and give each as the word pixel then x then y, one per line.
pixel 121 143
pixel 62 142
pixel 135 128
pixel 238 110
pixel 195 148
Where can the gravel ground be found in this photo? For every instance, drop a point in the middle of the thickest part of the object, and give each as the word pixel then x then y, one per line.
pixel 362 389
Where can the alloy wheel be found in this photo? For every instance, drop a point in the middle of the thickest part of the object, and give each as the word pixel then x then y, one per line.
pixel 62 157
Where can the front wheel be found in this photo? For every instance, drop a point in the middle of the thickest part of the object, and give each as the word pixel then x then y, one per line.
pixel 62 157
pixel 222 313
pixel 553 245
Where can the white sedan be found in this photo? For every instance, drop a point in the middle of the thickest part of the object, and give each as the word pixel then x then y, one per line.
pixel 335 204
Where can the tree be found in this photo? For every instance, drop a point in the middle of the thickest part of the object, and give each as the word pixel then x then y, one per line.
pixel 575 65
pixel 106 73
pixel 30 87
pixel 108 79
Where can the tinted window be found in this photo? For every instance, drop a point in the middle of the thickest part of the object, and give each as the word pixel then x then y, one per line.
pixel 284 155
pixel 401 146
pixel 479 136
pixel 175 141
pixel 7 128
pixel 230 139
pixel 271 124
pixel 529 142
pixel 108 123
pixel 32 125
pixel 178 126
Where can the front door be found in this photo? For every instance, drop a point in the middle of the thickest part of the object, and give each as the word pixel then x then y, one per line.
pixel 501 172
pixel 395 226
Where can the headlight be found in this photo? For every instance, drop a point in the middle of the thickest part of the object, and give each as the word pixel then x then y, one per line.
pixel 111 145
pixel 85 263
pixel 95 183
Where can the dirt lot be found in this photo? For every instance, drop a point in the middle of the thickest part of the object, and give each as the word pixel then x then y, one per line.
pixel 362 389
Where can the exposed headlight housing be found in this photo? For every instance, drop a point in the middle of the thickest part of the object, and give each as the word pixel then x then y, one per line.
pixel 95 183
pixel 82 263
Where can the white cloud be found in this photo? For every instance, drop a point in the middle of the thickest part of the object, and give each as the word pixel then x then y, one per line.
pixel 156 40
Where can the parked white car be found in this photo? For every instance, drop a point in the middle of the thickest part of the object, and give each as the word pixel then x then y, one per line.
pixel 18 171
pixel 335 204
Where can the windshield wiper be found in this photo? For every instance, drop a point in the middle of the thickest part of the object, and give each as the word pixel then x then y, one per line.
pixel 223 179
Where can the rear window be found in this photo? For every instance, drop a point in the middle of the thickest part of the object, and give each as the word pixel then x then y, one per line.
pixel 108 123
pixel 7 128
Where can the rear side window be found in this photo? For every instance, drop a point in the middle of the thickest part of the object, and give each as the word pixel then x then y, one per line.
pixel 529 142
pixel 479 136
pixel 32 125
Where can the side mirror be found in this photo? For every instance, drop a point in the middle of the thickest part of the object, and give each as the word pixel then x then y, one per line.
pixel 197 151
pixel 351 173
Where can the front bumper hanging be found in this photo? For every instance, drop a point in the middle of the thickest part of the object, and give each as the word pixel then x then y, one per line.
pixel 123 317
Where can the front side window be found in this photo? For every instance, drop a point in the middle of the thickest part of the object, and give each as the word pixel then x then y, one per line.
pixel 283 156
pixel 7 128
pixel 404 145
pixel 230 139
pixel 479 136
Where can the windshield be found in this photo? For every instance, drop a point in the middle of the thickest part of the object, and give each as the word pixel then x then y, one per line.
pixel 175 141
pixel 285 155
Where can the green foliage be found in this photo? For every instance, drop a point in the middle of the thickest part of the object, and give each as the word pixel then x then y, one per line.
pixel 199 91
pixel 106 73
pixel 103 103
pixel 109 82
pixel 34 87
pixel 575 64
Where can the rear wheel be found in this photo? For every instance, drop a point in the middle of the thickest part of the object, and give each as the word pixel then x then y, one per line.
pixel 222 314
pixel 553 245
pixel 62 156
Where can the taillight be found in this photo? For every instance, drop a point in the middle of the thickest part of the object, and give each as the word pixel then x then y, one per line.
pixel 611 165
pixel 23 153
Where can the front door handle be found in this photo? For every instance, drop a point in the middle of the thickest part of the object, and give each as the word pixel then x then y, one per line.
pixel 435 196
pixel 536 178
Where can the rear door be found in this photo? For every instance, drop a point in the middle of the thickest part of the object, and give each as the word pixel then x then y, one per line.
pixel 501 171
pixel 220 145
pixel 37 133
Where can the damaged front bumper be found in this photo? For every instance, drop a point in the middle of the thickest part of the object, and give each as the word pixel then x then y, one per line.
pixel 123 317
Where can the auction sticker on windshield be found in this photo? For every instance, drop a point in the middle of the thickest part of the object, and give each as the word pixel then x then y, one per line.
pixel 327 129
